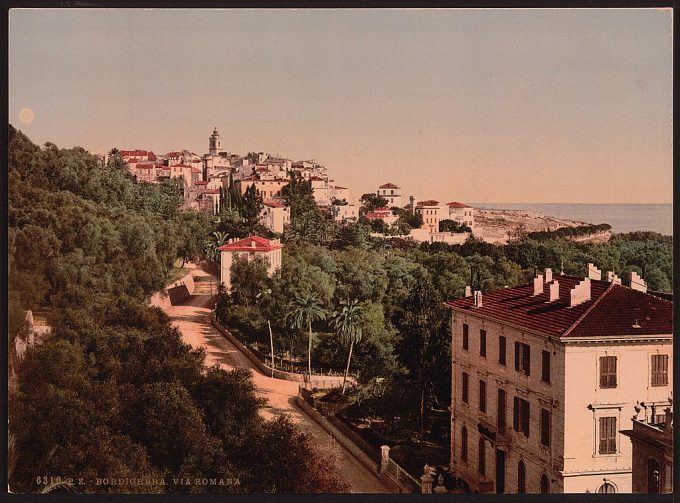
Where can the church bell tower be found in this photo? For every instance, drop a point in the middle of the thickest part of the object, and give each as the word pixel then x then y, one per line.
pixel 215 142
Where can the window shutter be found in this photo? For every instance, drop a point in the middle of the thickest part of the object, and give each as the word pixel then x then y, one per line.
pixel 515 414
pixel 525 419
pixel 517 356
pixel 527 359
pixel 612 371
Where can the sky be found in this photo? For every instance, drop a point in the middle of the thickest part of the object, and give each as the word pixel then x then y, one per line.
pixel 473 105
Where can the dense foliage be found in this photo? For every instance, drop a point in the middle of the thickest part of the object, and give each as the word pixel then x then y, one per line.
pixel 578 230
pixel 114 392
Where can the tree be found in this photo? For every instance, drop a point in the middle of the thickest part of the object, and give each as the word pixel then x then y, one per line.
pixel 371 201
pixel 248 279
pixel 347 323
pixel 265 294
pixel 252 207
pixel 303 311
pixel 299 195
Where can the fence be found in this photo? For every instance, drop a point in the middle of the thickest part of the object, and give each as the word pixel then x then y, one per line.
pixel 402 477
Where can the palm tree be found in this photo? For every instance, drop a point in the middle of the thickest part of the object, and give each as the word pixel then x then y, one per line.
pixel 303 311
pixel 266 293
pixel 212 244
pixel 347 323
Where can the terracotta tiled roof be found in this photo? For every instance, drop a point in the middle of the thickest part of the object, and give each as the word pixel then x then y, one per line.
pixel 201 182
pixel 612 310
pixel 389 185
pixel 252 243
pixel 456 204
pixel 144 166
pixel 429 202
pixel 134 153
pixel 211 191
pixel 373 216
pixel 274 204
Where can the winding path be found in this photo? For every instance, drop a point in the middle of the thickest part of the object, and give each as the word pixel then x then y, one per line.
pixel 193 320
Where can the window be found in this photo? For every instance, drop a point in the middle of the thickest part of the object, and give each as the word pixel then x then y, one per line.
pixel 501 350
pixel 465 387
pixel 482 456
pixel 545 484
pixel 607 488
pixel 521 478
pixel 522 358
pixel 520 417
pixel 607 371
pixel 545 366
pixel 465 336
pixel 482 396
pixel 463 445
pixel 659 370
pixel 545 427
pixel 500 417
pixel 482 343
pixel 607 435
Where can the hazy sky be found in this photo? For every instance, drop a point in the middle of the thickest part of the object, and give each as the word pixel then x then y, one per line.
pixel 467 105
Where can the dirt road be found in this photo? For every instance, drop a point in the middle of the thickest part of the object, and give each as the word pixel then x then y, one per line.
pixel 193 320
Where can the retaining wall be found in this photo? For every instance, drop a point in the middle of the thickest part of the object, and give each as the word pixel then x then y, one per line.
pixel 321 382
pixel 173 293
pixel 338 436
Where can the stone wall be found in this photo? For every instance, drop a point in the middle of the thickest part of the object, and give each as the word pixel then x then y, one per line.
pixel 173 293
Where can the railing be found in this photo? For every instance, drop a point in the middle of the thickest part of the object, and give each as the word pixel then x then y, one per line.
pixel 402 477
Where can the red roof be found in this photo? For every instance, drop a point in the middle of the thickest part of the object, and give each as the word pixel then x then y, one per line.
pixel 201 182
pixel 372 216
pixel 252 243
pixel 134 153
pixel 456 204
pixel 383 209
pixel 388 185
pixel 429 202
pixel 613 309
pixel 144 166
pixel 274 204
pixel 341 188
pixel 211 191
pixel 173 154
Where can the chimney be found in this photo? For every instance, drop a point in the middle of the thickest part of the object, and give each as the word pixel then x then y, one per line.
pixel 538 284
pixel 554 291
pixel 637 283
pixel 478 298
pixel 594 272
pixel 580 293
pixel 613 278
pixel 548 274
pixel 468 291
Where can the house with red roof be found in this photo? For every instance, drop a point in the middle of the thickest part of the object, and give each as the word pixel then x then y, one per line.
pixel 431 213
pixel 249 249
pixel 391 192
pixel 546 375
pixel 461 213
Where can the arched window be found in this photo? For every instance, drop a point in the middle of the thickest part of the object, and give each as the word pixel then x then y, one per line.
pixel 463 445
pixel 607 488
pixel 653 471
pixel 545 484
pixel 482 456
pixel 521 478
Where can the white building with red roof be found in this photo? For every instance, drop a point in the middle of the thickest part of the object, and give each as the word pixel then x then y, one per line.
pixel 461 213
pixel 275 216
pixel 391 192
pixel 546 375
pixel 431 213
pixel 249 248
pixel 384 214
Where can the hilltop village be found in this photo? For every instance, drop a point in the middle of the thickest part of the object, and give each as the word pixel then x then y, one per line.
pixel 206 179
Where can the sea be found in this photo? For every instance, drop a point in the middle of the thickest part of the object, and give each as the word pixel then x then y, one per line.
pixel 622 217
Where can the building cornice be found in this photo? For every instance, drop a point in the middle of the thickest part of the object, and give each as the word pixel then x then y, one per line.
pixel 608 339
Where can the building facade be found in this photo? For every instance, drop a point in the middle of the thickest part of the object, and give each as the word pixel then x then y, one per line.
pixel 392 193
pixel 652 442
pixel 430 211
pixel 461 213
pixel 275 216
pixel 540 387
pixel 249 248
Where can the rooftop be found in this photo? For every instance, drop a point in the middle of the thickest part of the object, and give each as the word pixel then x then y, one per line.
pixel 389 185
pixel 429 202
pixel 252 243
pixel 456 204
pixel 613 309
